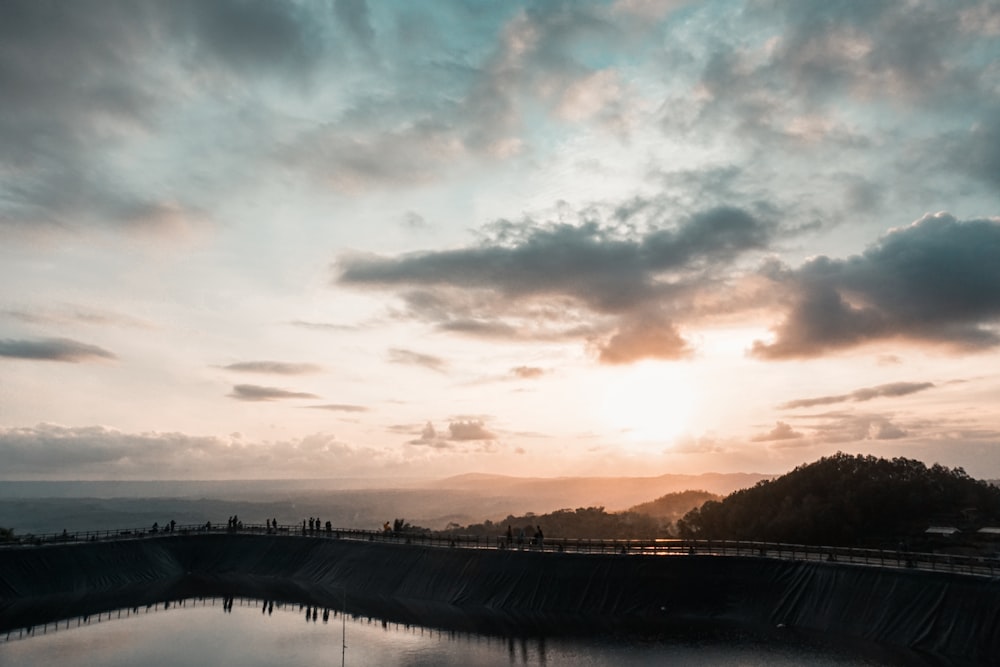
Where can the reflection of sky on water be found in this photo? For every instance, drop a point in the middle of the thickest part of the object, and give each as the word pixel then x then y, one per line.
pixel 248 633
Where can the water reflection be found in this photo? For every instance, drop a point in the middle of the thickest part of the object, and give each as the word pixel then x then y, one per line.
pixel 248 632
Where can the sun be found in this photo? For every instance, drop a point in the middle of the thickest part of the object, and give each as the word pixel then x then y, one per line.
pixel 649 402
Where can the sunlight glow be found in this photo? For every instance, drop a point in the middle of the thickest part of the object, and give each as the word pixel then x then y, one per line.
pixel 649 402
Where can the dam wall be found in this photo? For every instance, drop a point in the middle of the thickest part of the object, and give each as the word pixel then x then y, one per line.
pixel 489 590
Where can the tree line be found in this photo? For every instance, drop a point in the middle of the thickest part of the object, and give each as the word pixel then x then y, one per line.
pixel 651 520
pixel 848 500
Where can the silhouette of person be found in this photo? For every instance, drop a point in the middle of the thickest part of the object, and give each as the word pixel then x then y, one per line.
pixel 510 535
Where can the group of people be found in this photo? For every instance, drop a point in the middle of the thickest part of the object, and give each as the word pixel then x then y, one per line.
pixel 167 527
pixel 537 540
pixel 315 526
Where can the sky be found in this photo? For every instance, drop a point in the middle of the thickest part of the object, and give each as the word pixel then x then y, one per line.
pixel 262 239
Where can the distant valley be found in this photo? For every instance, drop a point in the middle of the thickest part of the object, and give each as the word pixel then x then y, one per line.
pixel 42 507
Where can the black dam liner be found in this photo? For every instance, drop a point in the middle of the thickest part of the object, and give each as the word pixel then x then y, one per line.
pixel 488 590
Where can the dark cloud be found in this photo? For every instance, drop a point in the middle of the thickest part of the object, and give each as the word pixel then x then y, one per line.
pixel 80 80
pixel 525 277
pixel 527 372
pixel 401 356
pixel 859 395
pixel 354 15
pixel 273 367
pixel 781 431
pixel 52 349
pixel 936 281
pixel 340 407
pixel 249 36
pixel 594 264
pixel 871 48
pixel 252 392
pixel 976 151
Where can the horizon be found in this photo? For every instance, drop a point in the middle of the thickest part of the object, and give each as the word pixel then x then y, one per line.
pixel 354 240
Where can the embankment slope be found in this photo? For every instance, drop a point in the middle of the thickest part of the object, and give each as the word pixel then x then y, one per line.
pixel 491 590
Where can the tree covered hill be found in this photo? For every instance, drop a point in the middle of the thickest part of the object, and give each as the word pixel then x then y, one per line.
pixel 669 508
pixel 848 500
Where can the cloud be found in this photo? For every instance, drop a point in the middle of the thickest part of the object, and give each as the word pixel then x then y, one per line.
pixel 527 372
pixel 781 431
pixel 459 431
pixel 86 82
pixel 644 338
pixel 71 315
pixel 340 407
pixel 401 356
pixel 354 15
pixel 859 395
pixel 821 52
pixel 252 36
pixel 460 98
pixel 323 326
pixel 273 367
pixel 429 438
pixel 252 392
pixel 462 431
pixel 588 280
pixel 839 427
pixel 52 349
pixel 936 280
pixel 49 451
pixel 975 151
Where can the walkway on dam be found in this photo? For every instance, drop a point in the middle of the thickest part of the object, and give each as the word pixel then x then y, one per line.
pixel 880 558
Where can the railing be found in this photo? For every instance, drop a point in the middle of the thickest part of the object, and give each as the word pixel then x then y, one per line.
pixel 886 558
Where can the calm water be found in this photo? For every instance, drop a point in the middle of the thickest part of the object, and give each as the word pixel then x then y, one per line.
pixel 249 633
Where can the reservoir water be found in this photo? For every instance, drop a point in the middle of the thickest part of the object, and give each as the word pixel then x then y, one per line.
pixel 248 633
